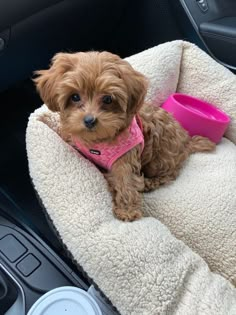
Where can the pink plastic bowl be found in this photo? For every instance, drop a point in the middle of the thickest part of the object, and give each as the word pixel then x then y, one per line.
pixel 197 117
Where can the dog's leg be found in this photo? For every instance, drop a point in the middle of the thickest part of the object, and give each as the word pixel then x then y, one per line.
pixel 201 144
pixel 155 182
pixel 195 144
pixel 126 185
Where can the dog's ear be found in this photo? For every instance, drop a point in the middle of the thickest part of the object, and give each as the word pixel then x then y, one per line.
pixel 137 85
pixel 47 80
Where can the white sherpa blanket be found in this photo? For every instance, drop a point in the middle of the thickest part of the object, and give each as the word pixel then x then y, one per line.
pixel 140 266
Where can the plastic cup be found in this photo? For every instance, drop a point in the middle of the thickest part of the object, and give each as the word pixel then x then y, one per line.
pixel 65 301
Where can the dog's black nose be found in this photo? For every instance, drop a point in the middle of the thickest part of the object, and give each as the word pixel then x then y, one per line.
pixel 90 121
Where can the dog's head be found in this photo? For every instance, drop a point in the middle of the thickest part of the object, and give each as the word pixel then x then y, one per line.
pixel 97 94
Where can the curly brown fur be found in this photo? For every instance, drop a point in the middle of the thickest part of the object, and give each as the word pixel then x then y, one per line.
pixel 75 86
pixel 126 184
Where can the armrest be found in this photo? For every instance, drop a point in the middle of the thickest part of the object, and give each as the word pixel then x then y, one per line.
pixel 225 27
pixel 220 38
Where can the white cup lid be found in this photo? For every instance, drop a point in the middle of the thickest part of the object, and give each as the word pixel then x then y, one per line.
pixel 65 301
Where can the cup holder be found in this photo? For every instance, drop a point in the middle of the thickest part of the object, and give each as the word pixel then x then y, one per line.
pixel 8 292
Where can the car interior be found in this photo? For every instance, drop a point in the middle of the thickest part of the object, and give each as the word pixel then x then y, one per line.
pixel 31 32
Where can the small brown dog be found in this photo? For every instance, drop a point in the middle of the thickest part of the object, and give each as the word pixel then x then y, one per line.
pixel 100 98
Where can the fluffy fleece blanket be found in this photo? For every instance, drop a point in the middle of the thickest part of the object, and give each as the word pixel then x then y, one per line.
pixel 140 266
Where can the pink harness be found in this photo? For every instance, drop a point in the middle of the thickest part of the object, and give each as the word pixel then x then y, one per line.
pixel 105 154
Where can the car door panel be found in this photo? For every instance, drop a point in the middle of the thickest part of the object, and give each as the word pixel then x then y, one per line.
pixel 215 24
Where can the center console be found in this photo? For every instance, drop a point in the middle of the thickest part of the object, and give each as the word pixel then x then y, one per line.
pixel 28 268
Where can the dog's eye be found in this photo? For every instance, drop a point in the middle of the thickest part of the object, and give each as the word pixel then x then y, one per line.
pixel 107 99
pixel 75 98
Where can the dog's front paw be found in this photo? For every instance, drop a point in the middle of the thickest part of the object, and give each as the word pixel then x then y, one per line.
pixel 128 215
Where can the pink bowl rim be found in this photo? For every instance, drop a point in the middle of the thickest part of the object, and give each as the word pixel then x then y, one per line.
pixel 225 121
